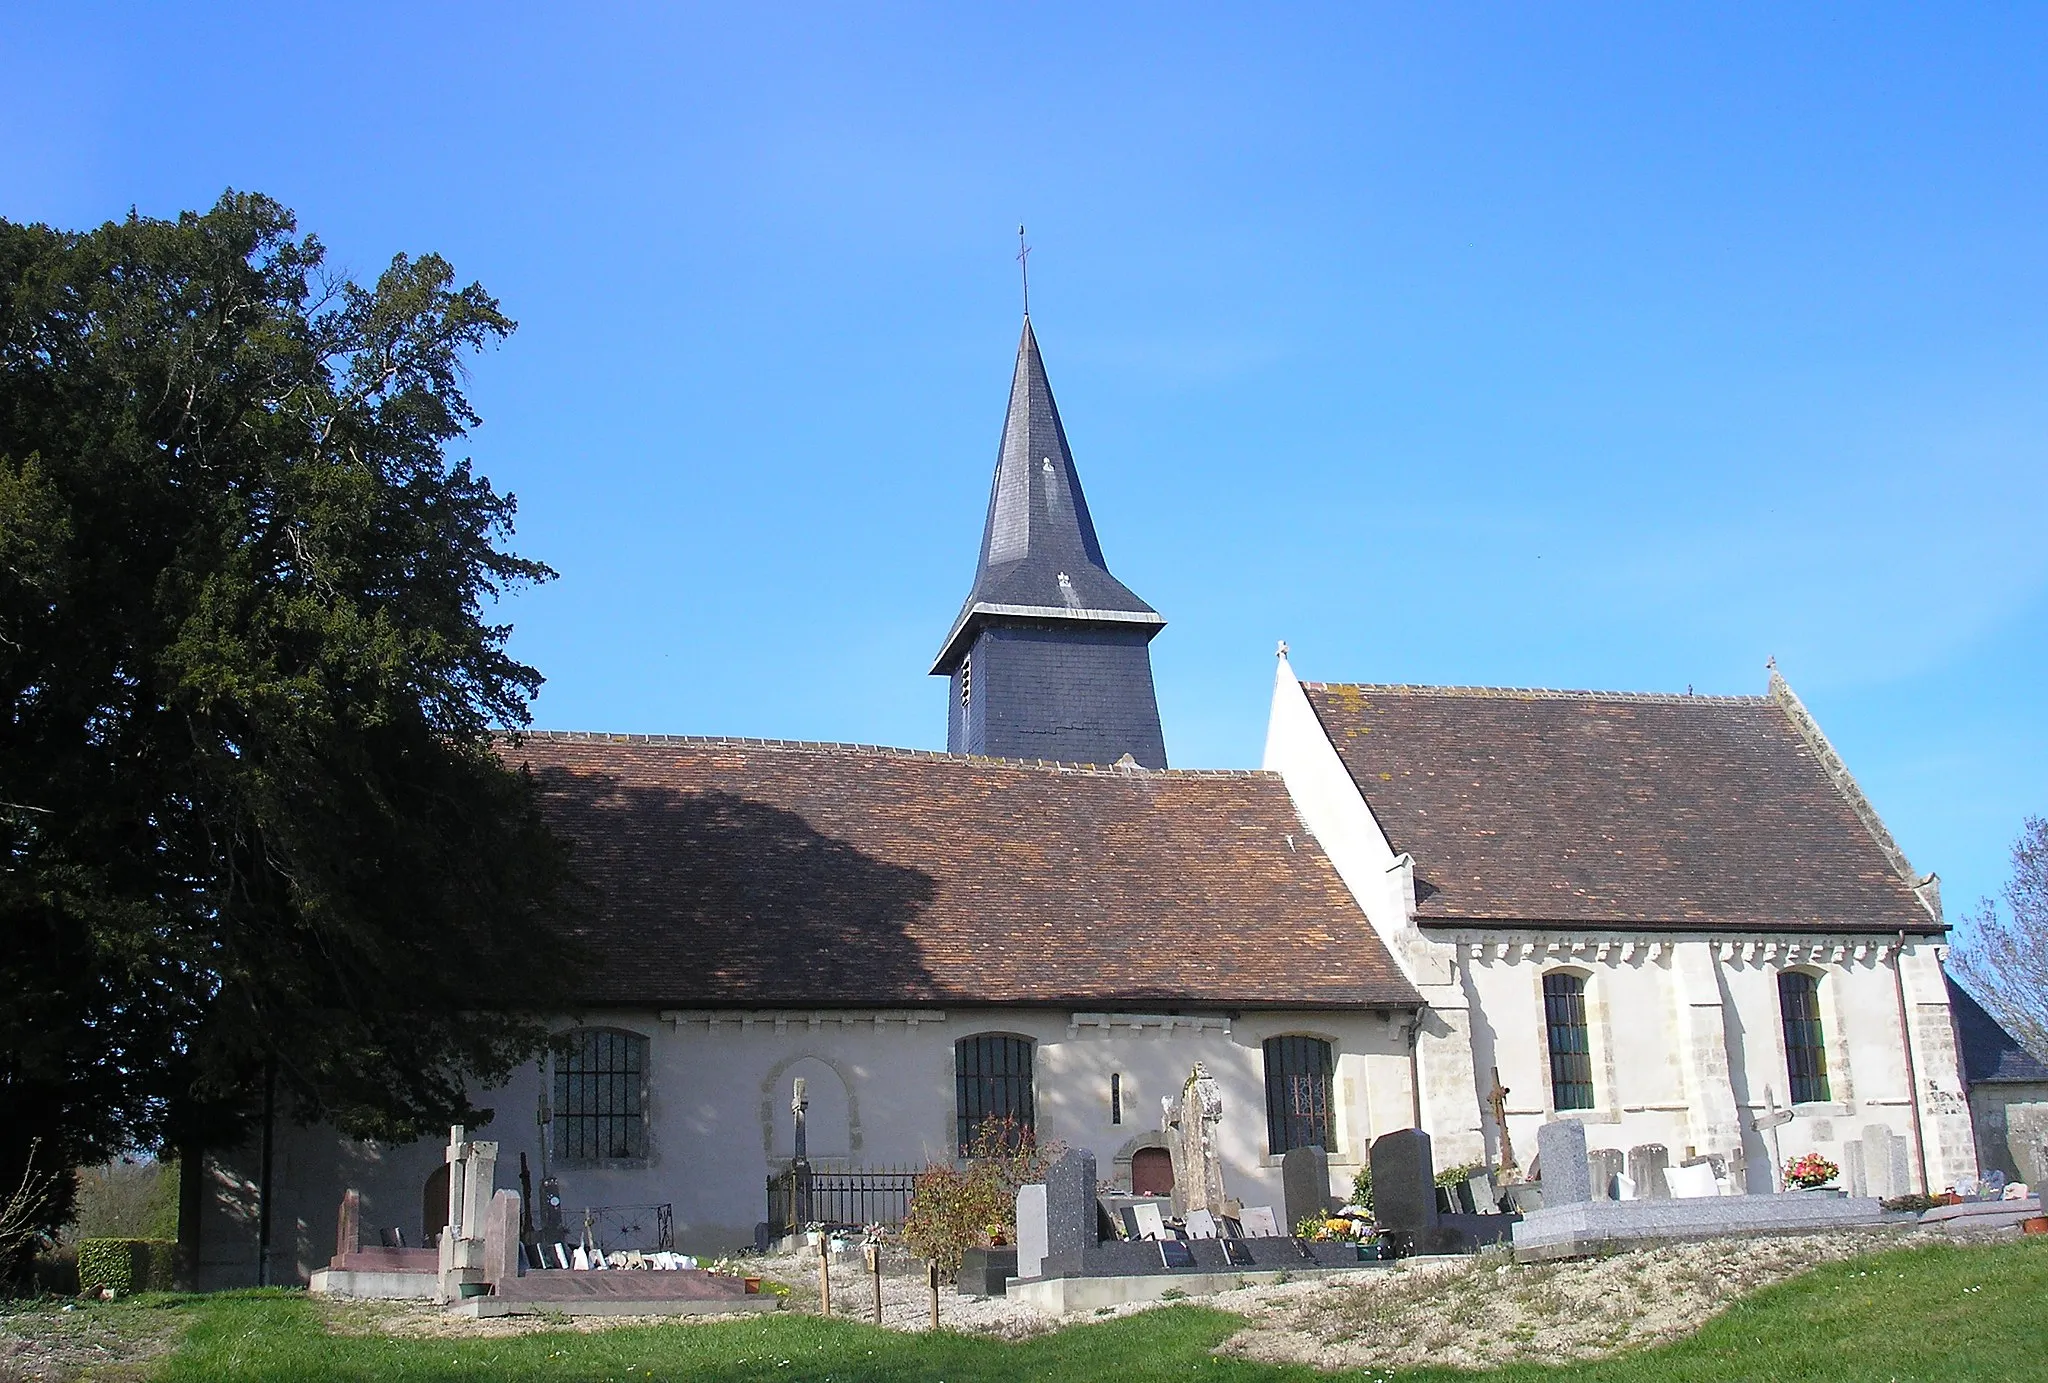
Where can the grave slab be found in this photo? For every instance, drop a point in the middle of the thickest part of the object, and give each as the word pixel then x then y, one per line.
pixel 1592 1227
pixel 1305 1183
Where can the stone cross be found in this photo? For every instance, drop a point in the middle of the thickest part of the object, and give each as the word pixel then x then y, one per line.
pixel 1768 1124
pixel 1498 1098
pixel 800 1161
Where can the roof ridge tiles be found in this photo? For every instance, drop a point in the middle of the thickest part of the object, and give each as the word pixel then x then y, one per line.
pixel 885 750
pixel 1534 693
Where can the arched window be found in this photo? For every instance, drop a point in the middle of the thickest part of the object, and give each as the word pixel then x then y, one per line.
pixel 1806 1053
pixel 1298 1094
pixel 601 1096
pixel 1571 1049
pixel 992 1080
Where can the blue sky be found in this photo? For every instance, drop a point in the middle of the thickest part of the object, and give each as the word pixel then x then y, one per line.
pixel 1576 346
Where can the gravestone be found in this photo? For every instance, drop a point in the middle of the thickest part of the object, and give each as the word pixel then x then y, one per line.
pixel 1258 1222
pixel 1647 1163
pixel 1603 1166
pixel 1485 1195
pixel 1692 1181
pixel 1852 1168
pixel 1567 1176
pixel 1031 1229
pixel 1201 1225
pixel 1403 1182
pixel 1197 1158
pixel 1884 1162
pixel 1150 1225
pixel 348 1228
pixel 501 1238
pixel 1305 1184
pixel 1070 1207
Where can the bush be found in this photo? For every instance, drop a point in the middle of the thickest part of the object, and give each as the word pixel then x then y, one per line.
pixel 1361 1187
pixel 953 1210
pixel 123 1266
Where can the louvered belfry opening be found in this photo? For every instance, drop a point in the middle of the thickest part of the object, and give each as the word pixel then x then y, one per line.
pixel 1806 1055
pixel 1571 1048
pixel 992 1074
pixel 1298 1094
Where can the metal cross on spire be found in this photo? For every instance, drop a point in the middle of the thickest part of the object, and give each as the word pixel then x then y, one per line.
pixel 1024 266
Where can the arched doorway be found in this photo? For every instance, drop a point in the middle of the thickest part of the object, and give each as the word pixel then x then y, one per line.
pixel 434 1207
pixel 1151 1172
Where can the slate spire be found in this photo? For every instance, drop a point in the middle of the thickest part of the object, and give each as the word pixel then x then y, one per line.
pixel 1048 654
pixel 1039 553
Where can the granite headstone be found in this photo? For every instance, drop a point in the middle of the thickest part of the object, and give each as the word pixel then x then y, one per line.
pixel 1070 1208
pixel 1567 1177
pixel 1305 1184
pixel 1403 1181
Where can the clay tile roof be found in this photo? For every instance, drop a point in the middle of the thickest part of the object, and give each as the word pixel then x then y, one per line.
pixel 1542 807
pixel 753 873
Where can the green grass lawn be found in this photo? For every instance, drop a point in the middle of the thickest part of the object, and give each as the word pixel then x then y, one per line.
pixel 1929 1313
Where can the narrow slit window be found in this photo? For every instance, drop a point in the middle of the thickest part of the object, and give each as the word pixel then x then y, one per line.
pixel 1116 1097
pixel 1806 1053
pixel 1571 1047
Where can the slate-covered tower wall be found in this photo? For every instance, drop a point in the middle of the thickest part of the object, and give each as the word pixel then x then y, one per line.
pixel 1050 656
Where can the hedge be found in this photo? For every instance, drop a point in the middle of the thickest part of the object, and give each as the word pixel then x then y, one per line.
pixel 123 1266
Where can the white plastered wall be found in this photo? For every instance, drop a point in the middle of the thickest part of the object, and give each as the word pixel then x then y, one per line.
pixel 1383 883
pixel 718 1115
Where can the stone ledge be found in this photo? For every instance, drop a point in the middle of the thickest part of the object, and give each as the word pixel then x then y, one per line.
pixel 375 1285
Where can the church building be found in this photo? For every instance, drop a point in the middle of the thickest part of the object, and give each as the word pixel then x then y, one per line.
pixel 1470 910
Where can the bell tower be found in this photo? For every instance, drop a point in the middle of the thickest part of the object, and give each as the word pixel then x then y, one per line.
pixel 1050 657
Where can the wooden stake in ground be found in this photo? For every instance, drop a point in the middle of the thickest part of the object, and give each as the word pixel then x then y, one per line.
pixel 875 1271
pixel 932 1276
pixel 825 1273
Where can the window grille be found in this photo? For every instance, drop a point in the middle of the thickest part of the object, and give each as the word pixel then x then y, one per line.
pixel 600 1094
pixel 1298 1094
pixel 992 1075
pixel 1571 1050
pixel 1805 1045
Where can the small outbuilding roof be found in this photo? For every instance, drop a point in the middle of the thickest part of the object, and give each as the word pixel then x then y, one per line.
pixel 747 873
pixel 1990 1053
pixel 1538 808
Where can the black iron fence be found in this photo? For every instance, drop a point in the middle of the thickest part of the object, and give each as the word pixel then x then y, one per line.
pixel 805 1195
pixel 611 1227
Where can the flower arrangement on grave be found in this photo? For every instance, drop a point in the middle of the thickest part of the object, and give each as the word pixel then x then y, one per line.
pixel 1810 1170
pixel 1333 1228
pixel 953 1209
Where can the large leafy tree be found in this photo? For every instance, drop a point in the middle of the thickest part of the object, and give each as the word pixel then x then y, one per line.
pixel 255 834
pixel 2003 957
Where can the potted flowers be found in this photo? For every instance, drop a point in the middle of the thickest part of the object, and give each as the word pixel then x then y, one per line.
pixel 1811 1172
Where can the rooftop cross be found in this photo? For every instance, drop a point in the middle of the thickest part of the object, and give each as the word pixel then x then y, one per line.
pixel 1024 266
